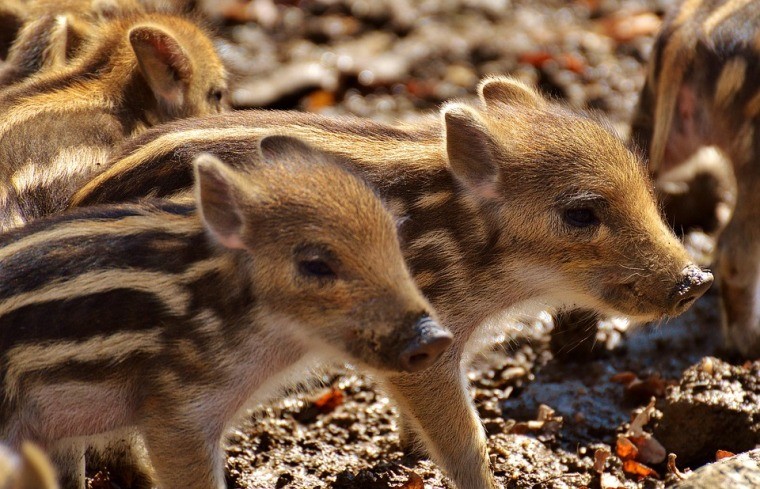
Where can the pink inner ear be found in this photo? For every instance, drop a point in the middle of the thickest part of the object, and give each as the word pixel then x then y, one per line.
pixel 165 50
pixel 232 241
pixel 687 102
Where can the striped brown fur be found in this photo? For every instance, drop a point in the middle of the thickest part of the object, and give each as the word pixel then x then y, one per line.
pixel 702 89
pixel 168 318
pixel 52 33
pixel 57 128
pixel 489 198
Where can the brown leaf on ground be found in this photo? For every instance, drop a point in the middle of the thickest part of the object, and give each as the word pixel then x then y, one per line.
pixel 625 449
pixel 721 454
pixel 624 378
pixel 329 401
pixel 641 420
pixel 319 99
pixel 625 27
pixel 650 449
pixel 600 459
pixel 632 467
pixel 654 385
pixel 414 482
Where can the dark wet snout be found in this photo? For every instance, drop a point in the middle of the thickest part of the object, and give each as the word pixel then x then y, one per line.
pixel 427 345
pixel 694 282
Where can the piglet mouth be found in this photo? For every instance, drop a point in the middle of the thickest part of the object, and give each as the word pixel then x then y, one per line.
pixel 628 299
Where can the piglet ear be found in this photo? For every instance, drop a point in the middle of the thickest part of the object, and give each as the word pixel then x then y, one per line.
pixel 163 62
pixel 470 151
pixel 218 197
pixel 503 90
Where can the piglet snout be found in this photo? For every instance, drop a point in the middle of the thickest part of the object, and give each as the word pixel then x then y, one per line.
pixel 427 345
pixel 694 282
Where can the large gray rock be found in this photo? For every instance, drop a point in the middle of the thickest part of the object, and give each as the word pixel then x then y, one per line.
pixel 739 472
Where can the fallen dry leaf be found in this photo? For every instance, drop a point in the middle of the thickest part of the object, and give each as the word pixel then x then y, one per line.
pixel 318 100
pixel 624 378
pixel 642 389
pixel 632 467
pixel 650 449
pixel 414 482
pixel 625 27
pixel 721 454
pixel 329 401
pixel 600 459
pixel 641 419
pixel 625 449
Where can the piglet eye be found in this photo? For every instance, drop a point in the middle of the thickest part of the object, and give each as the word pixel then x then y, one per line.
pixel 581 217
pixel 316 269
pixel 215 95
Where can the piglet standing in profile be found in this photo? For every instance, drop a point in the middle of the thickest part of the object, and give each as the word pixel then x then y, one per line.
pixel 168 318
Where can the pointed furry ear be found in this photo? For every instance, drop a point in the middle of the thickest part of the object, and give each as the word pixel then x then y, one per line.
pixel 277 148
pixel 218 199
pixel 498 89
pixel 163 62
pixel 470 150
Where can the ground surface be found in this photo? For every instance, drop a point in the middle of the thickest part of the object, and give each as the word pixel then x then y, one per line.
pixel 396 59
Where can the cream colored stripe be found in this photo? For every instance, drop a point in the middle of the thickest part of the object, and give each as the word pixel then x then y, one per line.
pixel 720 14
pixel 441 240
pixel 676 57
pixel 686 11
pixel 127 226
pixel 200 268
pixel 53 104
pixel 163 145
pixel 159 284
pixel 730 81
pixel 112 348
pixel 434 199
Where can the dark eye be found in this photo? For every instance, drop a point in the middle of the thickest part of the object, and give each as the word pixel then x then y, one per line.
pixel 581 217
pixel 316 269
pixel 215 95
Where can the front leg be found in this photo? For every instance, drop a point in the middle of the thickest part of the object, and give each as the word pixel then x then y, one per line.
pixel 185 454
pixel 436 403
pixel 68 460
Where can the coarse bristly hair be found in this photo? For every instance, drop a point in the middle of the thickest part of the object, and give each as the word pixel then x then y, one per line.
pixel 60 126
pixel 509 201
pixel 173 317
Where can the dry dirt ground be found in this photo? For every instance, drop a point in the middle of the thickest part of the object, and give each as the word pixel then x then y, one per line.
pixel 547 417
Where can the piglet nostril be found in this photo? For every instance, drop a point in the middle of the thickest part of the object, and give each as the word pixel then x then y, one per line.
pixel 427 346
pixel 694 282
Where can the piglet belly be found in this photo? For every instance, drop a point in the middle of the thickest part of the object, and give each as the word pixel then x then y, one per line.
pixel 74 409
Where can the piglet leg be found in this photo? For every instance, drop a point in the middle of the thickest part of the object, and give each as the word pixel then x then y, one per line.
pixel 435 401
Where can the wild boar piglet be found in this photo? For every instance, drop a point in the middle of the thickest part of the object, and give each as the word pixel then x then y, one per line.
pixel 167 319
pixel 508 204
pixel 50 33
pixel 58 128
pixel 703 89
